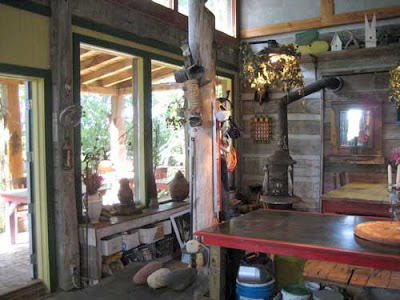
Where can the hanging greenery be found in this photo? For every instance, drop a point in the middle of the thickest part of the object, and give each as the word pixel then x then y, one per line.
pixel 275 66
pixel 175 114
pixel 394 85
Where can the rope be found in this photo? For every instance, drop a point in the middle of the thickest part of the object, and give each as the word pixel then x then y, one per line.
pixel 192 94
pixel 231 159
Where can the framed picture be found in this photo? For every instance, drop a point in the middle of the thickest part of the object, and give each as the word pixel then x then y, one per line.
pixel 181 224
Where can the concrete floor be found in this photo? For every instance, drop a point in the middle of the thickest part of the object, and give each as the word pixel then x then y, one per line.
pixel 14 263
pixel 120 287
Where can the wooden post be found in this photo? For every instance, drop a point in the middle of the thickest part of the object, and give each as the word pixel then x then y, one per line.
pixel 15 163
pixel 217 275
pixel 117 131
pixel 202 46
pixel 64 180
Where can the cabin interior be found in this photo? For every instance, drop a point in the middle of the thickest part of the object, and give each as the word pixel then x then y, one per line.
pixel 200 149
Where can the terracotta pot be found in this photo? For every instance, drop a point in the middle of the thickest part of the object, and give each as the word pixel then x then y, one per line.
pixel 179 187
pixel 94 208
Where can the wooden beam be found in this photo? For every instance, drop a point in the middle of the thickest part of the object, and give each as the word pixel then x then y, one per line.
pixel 327 11
pixel 107 71
pixel 162 74
pixel 358 16
pixel 165 87
pixel 98 62
pixel 113 80
pixel 203 48
pixel 13 123
pixel 88 54
pixel 98 90
pixel 11 81
pixel 64 193
pixel 327 19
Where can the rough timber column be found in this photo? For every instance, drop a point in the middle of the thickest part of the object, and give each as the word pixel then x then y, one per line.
pixel 64 180
pixel 203 49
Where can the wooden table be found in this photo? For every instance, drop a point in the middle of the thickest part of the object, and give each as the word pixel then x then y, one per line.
pixel 368 199
pixel 12 199
pixel 306 235
pixel 95 232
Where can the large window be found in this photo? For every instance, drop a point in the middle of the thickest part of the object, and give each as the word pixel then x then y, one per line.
pixel 223 10
pixel 169 142
pixel 107 126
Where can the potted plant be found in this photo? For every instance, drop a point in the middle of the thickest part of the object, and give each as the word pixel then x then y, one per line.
pixel 93 182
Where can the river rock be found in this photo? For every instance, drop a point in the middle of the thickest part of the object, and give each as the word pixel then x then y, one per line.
pixel 141 276
pixel 158 279
pixel 180 279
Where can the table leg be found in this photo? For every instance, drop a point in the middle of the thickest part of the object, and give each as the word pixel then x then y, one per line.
pixel 10 221
pixel 217 274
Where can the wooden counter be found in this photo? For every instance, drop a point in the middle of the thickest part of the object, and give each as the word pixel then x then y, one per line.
pixel 305 235
pixel 117 225
pixel 369 199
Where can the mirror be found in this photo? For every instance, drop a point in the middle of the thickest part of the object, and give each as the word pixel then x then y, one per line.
pixel 356 128
pixel 356 132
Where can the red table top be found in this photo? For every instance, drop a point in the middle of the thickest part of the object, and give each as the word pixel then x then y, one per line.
pixel 306 235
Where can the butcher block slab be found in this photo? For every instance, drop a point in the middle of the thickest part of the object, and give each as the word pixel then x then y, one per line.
pixel 384 232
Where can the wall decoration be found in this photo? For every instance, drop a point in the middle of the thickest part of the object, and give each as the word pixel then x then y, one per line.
pixel 370 32
pixel 261 129
pixel 336 43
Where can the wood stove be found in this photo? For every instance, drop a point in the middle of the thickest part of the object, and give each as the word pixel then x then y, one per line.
pixel 278 185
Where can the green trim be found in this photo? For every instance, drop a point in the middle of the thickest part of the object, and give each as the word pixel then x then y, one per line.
pixel 46 76
pixel 148 129
pixel 76 65
pixel 29 6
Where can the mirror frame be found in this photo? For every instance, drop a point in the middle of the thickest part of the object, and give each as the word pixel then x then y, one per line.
pixel 350 154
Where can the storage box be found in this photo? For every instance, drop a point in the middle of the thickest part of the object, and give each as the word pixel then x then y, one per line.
pixel 150 234
pixel 111 244
pixel 130 240
pixel 167 226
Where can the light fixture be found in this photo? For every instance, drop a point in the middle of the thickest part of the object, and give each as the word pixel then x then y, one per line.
pixel 276 66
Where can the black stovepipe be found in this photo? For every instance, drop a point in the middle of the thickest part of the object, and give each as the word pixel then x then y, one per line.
pixel 332 83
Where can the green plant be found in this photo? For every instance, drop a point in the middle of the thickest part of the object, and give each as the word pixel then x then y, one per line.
pixel 394 85
pixel 175 114
pixel 90 176
pixel 274 66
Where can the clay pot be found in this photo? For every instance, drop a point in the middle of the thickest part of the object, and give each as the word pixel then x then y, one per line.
pixel 125 194
pixel 179 187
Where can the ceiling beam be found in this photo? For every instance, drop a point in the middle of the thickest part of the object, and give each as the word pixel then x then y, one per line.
pixel 155 88
pixel 89 54
pixel 106 71
pixel 162 74
pixel 98 90
pixel 115 79
pixel 98 62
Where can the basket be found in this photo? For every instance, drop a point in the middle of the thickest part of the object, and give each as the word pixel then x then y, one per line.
pixel 143 253
pixel 165 247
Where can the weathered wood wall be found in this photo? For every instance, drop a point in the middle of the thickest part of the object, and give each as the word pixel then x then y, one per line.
pixel 361 87
pixel 305 117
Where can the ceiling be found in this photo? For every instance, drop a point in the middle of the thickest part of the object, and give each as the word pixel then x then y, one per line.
pixel 107 72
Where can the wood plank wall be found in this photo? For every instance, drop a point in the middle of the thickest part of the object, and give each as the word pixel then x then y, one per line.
pixel 305 119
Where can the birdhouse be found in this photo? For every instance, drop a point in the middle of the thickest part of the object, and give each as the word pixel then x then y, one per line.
pixel 336 43
pixel 370 32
